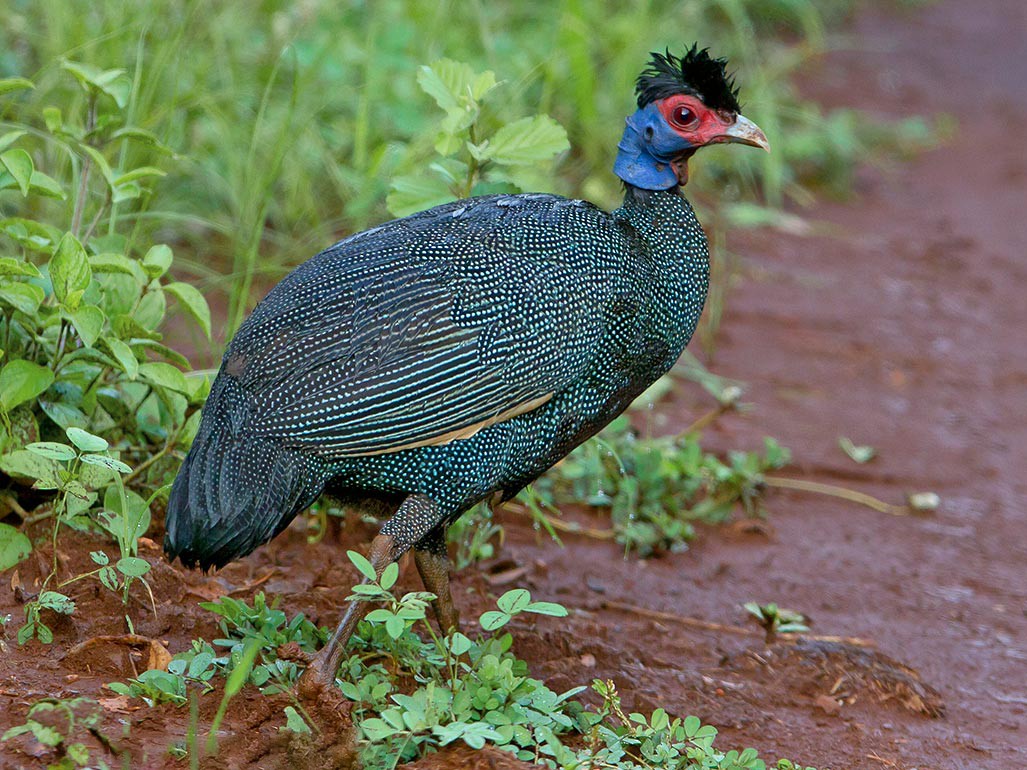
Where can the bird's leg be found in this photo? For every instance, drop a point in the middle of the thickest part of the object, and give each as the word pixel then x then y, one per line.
pixel 416 517
pixel 321 671
pixel 433 565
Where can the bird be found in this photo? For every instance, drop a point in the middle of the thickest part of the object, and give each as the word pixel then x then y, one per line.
pixel 451 357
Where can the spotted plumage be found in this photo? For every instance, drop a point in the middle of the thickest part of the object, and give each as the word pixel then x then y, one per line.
pixel 453 356
pixel 357 368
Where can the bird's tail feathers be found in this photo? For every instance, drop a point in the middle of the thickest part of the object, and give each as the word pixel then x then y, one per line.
pixel 235 491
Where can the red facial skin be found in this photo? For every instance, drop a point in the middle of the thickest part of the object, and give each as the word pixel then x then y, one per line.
pixel 700 125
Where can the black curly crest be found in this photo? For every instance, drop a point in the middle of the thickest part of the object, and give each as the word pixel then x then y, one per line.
pixel 696 73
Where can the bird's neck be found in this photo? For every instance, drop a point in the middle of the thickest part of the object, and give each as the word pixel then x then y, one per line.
pixel 673 246
pixel 663 219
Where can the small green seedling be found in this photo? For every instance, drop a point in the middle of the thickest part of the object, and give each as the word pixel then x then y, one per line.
pixel 56 724
pixel 153 687
pixel 515 602
pixel 776 620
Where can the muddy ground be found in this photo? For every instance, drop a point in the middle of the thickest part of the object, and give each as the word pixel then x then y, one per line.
pixel 900 324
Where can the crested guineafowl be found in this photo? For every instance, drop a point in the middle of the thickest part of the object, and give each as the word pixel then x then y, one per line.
pixel 453 356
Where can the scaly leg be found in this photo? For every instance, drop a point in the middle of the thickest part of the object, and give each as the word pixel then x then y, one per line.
pixel 417 516
pixel 433 565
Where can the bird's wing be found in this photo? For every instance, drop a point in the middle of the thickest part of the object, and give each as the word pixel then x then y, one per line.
pixel 417 334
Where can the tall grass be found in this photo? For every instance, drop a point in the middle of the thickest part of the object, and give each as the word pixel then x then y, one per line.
pixel 294 115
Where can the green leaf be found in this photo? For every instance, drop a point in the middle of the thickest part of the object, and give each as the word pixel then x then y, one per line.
pixel 126 192
pixel 492 620
pixel 107 462
pixel 138 173
pixel 514 601
pixel 99 557
pixel 157 260
pixel 376 729
pixel 15 267
pixel 118 263
pixel 547 608
pixel 19 164
pixel 416 192
pixel 25 297
pixel 53 119
pixel 132 566
pixel 86 441
pixel 10 138
pixel 242 669
pixel 58 602
pixel 389 576
pixel 528 140
pixel 395 626
pixel 446 81
pixel 44 634
pixel 163 375
pixel 123 354
pixel 88 322
pixel 294 722
pixel 115 83
pixel 30 234
pixel 24 464
pixel 46 185
pixel 192 302
pixel 459 644
pixel 64 414
pixel 22 381
pixel 100 162
pixel 52 450
pixel 362 564
pixel 143 136
pixel 14 546
pixel 69 271
pixel 151 308
pixel 10 85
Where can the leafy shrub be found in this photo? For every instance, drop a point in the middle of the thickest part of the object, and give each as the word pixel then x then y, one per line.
pixel 80 309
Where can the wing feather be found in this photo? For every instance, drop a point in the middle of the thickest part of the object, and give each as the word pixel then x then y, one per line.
pixel 382 344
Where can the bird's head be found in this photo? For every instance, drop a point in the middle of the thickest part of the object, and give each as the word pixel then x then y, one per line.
pixel 683 104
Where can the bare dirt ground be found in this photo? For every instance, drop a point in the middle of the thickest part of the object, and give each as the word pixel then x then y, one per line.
pixel 901 325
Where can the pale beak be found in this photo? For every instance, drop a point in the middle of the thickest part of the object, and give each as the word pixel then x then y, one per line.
pixel 744 131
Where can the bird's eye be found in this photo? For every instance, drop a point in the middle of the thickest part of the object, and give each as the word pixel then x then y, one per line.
pixel 683 116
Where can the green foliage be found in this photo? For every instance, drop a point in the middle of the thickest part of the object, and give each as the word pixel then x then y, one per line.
pixel 59 725
pixel 79 310
pixel 634 742
pixel 153 687
pixel 80 306
pixel 266 628
pixel 776 620
pixel 75 472
pixel 473 159
pixel 297 119
pixel 412 694
pixel 654 488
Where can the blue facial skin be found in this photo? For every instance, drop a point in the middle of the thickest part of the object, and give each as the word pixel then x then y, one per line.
pixel 646 150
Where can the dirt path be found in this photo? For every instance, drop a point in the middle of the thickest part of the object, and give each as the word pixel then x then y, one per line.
pixel 902 327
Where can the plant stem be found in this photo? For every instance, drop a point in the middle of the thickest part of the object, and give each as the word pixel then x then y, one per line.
pixel 12 501
pixel 707 625
pixel 831 490
pixel 564 526
pixel 96 220
pixel 83 182
pixel 154 457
